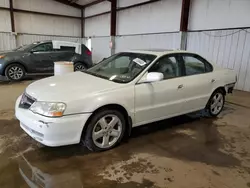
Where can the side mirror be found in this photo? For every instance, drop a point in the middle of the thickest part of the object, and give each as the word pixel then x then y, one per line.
pixel 152 77
pixel 32 51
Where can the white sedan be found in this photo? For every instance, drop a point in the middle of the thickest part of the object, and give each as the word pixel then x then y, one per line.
pixel 99 106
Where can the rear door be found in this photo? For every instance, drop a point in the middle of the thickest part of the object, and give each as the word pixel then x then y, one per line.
pixel 64 53
pixel 197 83
pixel 41 58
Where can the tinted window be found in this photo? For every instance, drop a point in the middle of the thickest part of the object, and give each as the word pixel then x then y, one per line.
pixel 168 66
pixel 46 47
pixel 193 65
pixel 84 48
pixel 67 48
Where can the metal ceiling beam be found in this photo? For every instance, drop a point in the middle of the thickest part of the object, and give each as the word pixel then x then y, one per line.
pixel 113 18
pixel 66 2
pixel 82 23
pixel 94 3
pixel 39 13
pixel 123 8
pixel 138 4
pixel 12 19
pixel 185 15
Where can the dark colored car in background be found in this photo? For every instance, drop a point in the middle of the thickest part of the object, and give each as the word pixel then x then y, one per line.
pixel 38 58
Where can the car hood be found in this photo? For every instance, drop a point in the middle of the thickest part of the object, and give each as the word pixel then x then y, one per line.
pixel 64 88
pixel 11 53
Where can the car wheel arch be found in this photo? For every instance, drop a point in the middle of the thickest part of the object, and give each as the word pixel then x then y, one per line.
pixel 81 62
pixel 14 63
pixel 117 107
pixel 221 88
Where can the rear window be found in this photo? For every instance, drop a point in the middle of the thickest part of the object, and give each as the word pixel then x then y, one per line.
pixel 84 48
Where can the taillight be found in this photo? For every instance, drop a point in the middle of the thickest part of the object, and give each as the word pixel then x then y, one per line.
pixel 88 52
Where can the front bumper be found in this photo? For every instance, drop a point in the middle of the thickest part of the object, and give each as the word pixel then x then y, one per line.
pixel 2 66
pixel 52 132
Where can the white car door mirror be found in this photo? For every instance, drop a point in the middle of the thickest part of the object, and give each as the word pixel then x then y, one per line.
pixel 152 77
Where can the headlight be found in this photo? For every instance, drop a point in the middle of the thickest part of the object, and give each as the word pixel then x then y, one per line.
pixel 2 56
pixel 49 109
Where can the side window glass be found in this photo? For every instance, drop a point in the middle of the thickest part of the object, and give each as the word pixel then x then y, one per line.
pixel 67 48
pixel 47 47
pixel 168 66
pixel 193 65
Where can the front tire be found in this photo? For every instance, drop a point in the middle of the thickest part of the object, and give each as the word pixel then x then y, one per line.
pixel 15 72
pixel 105 130
pixel 216 103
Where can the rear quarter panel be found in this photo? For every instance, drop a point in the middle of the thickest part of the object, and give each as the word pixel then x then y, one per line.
pixel 224 77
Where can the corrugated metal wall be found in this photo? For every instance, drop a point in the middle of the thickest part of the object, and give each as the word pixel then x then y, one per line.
pixel 100 48
pixel 5 23
pixel 98 29
pixel 29 38
pixel 10 41
pixel 227 48
pixel 165 41
pixel 219 14
pixel 46 6
pixel 7 41
pixel 47 25
pixel 161 16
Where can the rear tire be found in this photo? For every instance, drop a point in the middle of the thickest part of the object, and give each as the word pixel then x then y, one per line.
pixel 105 130
pixel 79 67
pixel 15 72
pixel 216 103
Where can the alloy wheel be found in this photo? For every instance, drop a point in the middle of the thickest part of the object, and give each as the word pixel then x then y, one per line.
pixel 15 72
pixel 80 67
pixel 217 103
pixel 107 131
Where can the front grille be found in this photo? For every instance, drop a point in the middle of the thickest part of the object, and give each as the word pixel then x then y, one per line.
pixel 26 101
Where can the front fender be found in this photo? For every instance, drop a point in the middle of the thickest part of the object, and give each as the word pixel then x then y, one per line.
pixel 122 96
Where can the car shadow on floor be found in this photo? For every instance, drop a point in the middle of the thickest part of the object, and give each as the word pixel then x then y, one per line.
pixel 50 153
pixel 163 134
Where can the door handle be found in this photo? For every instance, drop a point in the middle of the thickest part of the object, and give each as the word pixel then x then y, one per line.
pixel 180 86
pixel 213 80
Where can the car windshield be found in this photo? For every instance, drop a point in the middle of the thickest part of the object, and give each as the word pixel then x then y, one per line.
pixel 122 67
pixel 24 47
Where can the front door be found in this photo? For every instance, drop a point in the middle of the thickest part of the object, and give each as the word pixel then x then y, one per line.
pixel 41 58
pixel 163 99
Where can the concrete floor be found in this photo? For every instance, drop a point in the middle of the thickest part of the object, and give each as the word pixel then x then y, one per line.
pixel 186 151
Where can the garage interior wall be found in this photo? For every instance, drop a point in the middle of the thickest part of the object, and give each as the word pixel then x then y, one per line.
pixel 220 31
pixel 34 27
pixel 98 29
pixel 137 28
pixel 155 25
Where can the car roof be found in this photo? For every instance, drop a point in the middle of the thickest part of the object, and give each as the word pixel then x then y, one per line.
pixel 56 41
pixel 159 52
